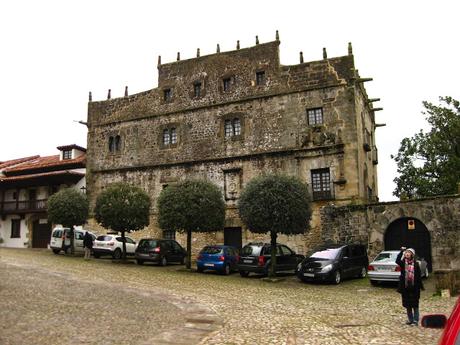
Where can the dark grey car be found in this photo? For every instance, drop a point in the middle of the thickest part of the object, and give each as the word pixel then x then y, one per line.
pixel 255 257
pixel 159 251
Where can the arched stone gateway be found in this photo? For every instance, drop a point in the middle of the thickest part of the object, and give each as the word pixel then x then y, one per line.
pixel 411 233
pixel 435 222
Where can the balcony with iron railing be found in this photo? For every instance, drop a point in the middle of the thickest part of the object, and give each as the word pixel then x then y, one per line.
pixel 23 206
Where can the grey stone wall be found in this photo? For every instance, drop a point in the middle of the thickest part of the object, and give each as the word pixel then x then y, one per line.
pixel 368 223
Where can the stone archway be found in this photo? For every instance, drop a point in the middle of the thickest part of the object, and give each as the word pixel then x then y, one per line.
pixel 411 233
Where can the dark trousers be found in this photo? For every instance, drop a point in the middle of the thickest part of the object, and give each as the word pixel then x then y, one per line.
pixel 412 314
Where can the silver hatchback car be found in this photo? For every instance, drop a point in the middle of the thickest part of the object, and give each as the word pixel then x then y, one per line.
pixel 385 268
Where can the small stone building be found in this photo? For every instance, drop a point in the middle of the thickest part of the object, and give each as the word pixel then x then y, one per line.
pixel 230 116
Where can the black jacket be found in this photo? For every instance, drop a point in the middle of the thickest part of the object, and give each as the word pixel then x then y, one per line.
pixel 410 296
pixel 88 241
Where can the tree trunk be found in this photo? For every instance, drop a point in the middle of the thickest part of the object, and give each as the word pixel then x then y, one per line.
pixel 72 240
pixel 189 250
pixel 123 238
pixel 273 236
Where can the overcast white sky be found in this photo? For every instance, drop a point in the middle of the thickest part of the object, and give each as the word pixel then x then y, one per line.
pixel 54 52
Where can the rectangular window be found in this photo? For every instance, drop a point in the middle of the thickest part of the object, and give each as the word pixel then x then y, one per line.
pixel 197 89
pixel 166 136
pixel 167 95
pixel 260 78
pixel 226 82
pixel 169 235
pixel 321 184
pixel 15 228
pixel 228 128
pixel 236 126
pixel 67 154
pixel 315 116
pixel 173 136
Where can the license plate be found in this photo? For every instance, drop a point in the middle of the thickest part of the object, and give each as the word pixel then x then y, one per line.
pixel 385 269
pixel 209 265
pixel 308 274
pixel 247 261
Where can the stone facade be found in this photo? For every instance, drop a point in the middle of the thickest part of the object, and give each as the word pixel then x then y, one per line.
pixel 231 116
pixel 369 224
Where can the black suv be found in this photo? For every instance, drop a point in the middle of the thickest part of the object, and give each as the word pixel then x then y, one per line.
pixel 159 251
pixel 334 263
pixel 255 257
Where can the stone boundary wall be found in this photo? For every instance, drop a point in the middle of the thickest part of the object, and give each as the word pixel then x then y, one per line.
pixel 368 223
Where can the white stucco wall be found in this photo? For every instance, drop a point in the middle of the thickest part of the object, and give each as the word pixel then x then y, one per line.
pixel 5 233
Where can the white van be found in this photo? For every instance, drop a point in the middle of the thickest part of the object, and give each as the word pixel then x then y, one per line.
pixel 63 234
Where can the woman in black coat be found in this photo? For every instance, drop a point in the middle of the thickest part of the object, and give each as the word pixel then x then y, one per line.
pixel 410 284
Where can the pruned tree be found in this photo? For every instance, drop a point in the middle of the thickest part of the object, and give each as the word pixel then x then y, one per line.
pixel 191 206
pixel 69 208
pixel 275 204
pixel 429 163
pixel 123 208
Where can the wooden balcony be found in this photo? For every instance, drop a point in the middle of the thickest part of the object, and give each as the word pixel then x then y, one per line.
pixel 24 206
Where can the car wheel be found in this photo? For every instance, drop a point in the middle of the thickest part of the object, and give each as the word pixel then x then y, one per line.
pixel 337 277
pixel 226 270
pixel 117 254
pixel 244 273
pixel 363 273
pixel 56 251
pixel 140 262
pixel 374 282
pixel 96 255
pixel 199 269
pixel 163 261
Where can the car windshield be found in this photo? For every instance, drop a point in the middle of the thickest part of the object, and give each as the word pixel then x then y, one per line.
pixel 388 257
pixel 251 250
pixel 326 254
pixel 211 250
pixel 147 244
pixel 57 233
pixel 104 238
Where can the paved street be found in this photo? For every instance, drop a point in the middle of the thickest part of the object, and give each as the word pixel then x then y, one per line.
pixel 57 299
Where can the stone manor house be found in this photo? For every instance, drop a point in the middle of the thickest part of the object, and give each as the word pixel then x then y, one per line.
pixel 230 116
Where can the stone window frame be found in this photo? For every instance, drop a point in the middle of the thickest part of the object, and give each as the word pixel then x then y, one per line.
pixel 199 85
pixel 167 94
pixel 232 117
pixel 261 77
pixel 321 188
pixel 176 134
pixel 227 83
pixel 115 143
pixel 313 111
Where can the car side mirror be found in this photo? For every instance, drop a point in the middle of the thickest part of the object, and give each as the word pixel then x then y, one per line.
pixel 434 321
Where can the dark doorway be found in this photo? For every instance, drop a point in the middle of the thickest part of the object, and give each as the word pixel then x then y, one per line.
pixel 410 233
pixel 232 237
pixel 41 234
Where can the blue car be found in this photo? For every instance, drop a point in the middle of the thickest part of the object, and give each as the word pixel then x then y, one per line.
pixel 223 259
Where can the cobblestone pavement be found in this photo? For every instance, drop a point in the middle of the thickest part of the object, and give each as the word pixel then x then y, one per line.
pixel 57 299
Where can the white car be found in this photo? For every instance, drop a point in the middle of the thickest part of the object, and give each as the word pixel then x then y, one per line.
pixel 112 245
pixel 58 235
pixel 385 268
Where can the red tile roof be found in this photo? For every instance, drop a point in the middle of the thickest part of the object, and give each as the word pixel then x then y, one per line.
pixel 34 176
pixel 47 162
pixel 12 162
pixel 70 147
